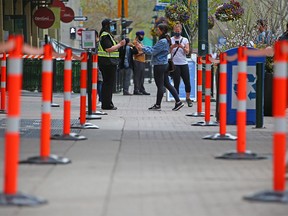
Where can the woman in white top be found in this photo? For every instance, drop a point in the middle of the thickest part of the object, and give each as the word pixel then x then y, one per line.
pixel 179 49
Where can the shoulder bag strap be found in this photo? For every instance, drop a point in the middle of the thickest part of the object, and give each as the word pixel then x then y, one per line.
pixel 176 49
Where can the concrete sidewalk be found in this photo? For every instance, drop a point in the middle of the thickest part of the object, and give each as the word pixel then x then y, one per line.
pixel 142 163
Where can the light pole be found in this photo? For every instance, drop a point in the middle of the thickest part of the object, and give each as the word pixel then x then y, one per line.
pixel 203 27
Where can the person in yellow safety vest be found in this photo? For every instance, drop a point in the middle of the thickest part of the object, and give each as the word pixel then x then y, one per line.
pixel 108 59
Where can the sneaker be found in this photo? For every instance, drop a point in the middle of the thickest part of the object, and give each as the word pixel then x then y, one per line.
pixel 178 106
pixel 189 102
pixel 155 107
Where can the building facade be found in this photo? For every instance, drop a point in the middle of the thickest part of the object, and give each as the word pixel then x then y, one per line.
pixel 16 17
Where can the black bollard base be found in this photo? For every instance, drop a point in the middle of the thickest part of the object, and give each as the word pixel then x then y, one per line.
pixel 70 137
pixel 196 114
pixel 91 117
pixel 269 196
pixel 248 155
pixel 86 125
pixel 219 136
pixel 256 127
pixel 204 123
pixel 20 199
pixel 52 159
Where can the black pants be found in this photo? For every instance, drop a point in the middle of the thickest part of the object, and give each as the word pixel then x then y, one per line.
pixel 109 78
pixel 162 80
pixel 182 71
pixel 138 76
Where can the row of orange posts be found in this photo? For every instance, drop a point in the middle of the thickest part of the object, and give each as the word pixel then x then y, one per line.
pixel 10 195
pixel 278 194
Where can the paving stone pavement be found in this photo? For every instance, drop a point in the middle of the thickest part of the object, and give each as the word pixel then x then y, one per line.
pixel 142 163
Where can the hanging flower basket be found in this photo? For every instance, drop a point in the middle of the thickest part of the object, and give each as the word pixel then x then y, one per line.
pixel 177 12
pixel 229 11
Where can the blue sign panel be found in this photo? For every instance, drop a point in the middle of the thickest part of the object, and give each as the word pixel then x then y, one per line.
pixel 232 76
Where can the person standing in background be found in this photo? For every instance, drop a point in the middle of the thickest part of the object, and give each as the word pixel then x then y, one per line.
pixel 265 36
pixel 179 49
pixel 126 64
pixel 108 59
pixel 139 67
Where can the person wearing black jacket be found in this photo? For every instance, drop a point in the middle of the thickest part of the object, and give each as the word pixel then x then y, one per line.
pixel 108 59
pixel 126 64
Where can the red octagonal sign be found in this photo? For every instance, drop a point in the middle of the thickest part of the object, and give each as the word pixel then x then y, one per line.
pixel 68 16
pixel 43 17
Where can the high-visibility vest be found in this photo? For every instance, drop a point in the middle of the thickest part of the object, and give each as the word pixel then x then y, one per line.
pixel 103 53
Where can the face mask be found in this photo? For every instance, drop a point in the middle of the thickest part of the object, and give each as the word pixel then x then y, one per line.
pixel 111 28
pixel 140 38
pixel 177 34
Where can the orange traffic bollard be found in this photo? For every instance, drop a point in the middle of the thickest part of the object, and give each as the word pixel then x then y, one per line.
pixel 3 84
pixel 199 112
pixel 12 134
pixel 278 194
pixel 83 90
pixel 95 72
pixel 222 135
pixel 208 82
pixel 241 152
pixel 94 82
pixel 47 73
pixel 67 101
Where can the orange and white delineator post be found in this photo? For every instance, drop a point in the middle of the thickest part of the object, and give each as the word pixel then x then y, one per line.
pixel 94 82
pixel 67 101
pixel 279 114
pixel 208 82
pixel 3 84
pixel 95 72
pixel 222 135
pixel 199 112
pixel 67 91
pixel 83 87
pixel 12 134
pixel 241 93
pixel 45 131
pixel 83 91
pixel 241 152
pixel 278 194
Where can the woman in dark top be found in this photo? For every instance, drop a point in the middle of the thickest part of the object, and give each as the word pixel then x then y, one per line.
pixel 108 58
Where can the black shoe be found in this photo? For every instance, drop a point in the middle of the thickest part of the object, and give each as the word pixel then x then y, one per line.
pixel 137 93
pixel 109 108
pixel 145 93
pixel 126 93
pixel 178 106
pixel 155 107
